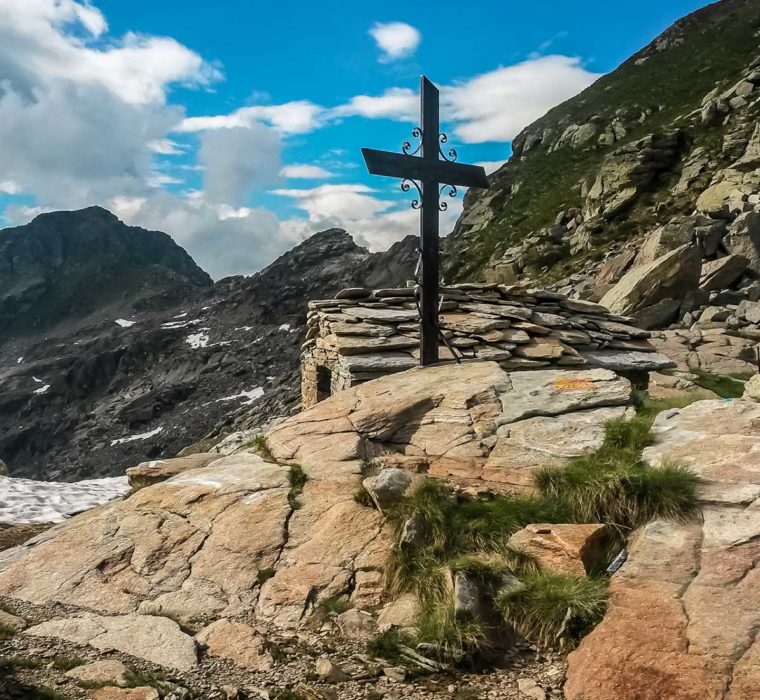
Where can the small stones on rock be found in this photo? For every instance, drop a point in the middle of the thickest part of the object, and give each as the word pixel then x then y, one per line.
pixel 531 689
pixel 388 487
pixel 330 672
pixel 108 671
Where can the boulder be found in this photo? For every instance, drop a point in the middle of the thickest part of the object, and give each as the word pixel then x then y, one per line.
pixel 149 473
pixel 566 549
pixel 685 606
pixel 107 671
pixel 110 693
pixel 388 487
pixel 678 232
pixel 671 276
pixel 356 625
pixel 743 238
pixel 329 672
pixel 714 200
pixel 467 597
pixel 158 640
pixel 752 388
pixel 663 313
pixel 15 622
pixel 722 273
pixel 401 613
pixel 237 642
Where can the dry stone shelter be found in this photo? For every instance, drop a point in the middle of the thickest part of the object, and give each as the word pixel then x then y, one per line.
pixel 363 334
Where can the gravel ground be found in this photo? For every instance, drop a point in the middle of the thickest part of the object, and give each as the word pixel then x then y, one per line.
pixel 35 663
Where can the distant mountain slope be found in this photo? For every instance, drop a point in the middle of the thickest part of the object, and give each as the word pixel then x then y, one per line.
pixel 630 152
pixel 92 400
pixel 65 266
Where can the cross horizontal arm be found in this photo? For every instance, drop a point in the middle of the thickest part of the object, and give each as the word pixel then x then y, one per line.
pixel 415 168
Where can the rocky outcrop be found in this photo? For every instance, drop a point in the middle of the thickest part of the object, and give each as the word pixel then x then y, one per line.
pixel 645 160
pixel 684 607
pixel 715 350
pixel 61 267
pixel 364 334
pixel 671 276
pixel 96 398
pixel 247 536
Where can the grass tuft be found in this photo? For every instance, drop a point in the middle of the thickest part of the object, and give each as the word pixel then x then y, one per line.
pixel 297 478
pixel 724 385
pixel 386 645
pixel 259 446
pixel 613 485
pixel 555 609
pixel 332 606
pixel 6 631
pixel 66 663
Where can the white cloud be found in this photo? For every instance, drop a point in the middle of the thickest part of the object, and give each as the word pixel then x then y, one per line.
pixel 166 147
pixel 9 187
pixel 491 166
pixel 497 105
pixel 401 104
pixel 222 240
pixel 493 106
pixel 395 40
pixel 238 161
pixel 373 222
pixel 300 171
pixel 37 50
pixel 298 117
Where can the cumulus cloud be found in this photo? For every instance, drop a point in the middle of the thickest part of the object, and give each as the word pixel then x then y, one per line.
pixel 373 221
pixel 38 51
pixel 222 240
pixel 497 105
pixel 493 106
pixel 237 161
pixel 395 40
pixel 491 166
pixel 298 117
pixel 302 171
pixel 400 104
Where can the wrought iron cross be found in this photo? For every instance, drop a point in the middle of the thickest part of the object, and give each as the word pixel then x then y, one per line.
pixel 430 176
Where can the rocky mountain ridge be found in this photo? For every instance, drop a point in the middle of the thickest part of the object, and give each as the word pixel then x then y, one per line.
pixel 76 267
pixel 633 152
pixel 93 399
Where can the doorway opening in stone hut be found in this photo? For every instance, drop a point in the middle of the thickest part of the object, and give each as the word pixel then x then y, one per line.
pixel 324 383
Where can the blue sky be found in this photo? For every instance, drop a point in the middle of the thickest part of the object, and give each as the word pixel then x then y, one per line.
pixel 236 126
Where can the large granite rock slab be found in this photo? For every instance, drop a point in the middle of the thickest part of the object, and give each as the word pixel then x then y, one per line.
pixel 685 607
pixel 671 276
pixel 155 639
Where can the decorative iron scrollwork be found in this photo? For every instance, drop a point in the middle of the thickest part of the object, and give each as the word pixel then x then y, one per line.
pixel 452 192
pixel 406 186
pixel 450 155
pixel 407 145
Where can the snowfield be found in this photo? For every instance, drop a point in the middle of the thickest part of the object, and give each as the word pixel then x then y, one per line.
pixel 26 502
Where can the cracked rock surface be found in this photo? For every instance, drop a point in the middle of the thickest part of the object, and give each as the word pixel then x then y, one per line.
pixel 231 543
pixel 685 607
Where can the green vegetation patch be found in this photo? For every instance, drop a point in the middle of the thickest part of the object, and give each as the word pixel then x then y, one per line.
pixel 463 534
pixel 726 386
pixel 260 446
pixel 66 663
pixel 554 608
pixel 297 478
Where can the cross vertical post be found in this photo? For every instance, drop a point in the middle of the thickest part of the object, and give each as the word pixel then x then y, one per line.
pixel 429 224
pixel 426 173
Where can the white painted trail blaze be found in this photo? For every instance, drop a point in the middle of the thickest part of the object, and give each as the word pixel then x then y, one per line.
pixel 24 501
pixel 133 438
